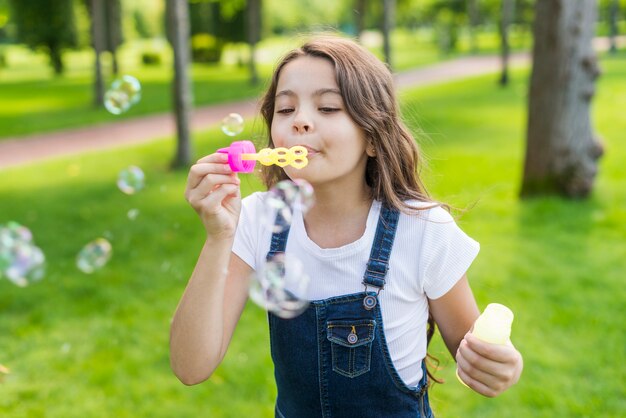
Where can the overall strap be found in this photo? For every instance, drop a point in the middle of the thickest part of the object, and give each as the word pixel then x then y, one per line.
pixel 378 263
pixel 279 240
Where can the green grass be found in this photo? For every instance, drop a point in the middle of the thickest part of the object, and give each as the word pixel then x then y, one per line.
pixel 96 345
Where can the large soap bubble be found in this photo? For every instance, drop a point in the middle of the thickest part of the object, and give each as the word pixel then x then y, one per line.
pixel 280 286
pixel 131 180
pixel 21 261
pixel 122 95
pixel 232 124
pixel 94 255
pixel 282 200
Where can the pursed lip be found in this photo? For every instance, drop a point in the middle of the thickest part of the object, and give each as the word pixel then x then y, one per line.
pixel 310 151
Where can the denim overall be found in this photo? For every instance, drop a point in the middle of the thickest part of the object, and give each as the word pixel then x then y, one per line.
pixel 333 360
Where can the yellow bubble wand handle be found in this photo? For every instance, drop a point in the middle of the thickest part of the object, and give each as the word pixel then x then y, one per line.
pixel 294 156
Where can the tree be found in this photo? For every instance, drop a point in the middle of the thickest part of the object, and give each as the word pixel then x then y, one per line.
pixel 113 24
pixel 253 25
pixel 473 17
pixel 96 13
pixel 46 24
pixel 177 14
pixel 389 8
pixel 359 16
pixel 506 17
pixel 562 149
pixel 613 16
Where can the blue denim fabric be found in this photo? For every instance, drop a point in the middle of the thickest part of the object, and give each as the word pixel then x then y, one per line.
pixel 333 360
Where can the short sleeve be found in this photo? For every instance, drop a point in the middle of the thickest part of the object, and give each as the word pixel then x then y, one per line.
pixel 447 253
pixel 247 235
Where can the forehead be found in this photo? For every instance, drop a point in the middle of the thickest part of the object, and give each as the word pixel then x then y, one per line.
pixel 307 73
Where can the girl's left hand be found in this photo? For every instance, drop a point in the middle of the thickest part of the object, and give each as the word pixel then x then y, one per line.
pixel 489 369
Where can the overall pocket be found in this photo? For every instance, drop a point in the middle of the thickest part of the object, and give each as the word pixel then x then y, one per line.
pixel 351 345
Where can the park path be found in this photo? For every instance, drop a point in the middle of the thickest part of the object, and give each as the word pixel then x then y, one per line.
pixel 36 147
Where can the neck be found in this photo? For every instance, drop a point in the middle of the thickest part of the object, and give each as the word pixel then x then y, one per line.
pixel 331 204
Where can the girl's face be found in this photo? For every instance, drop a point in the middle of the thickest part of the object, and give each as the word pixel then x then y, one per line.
pixel 309 111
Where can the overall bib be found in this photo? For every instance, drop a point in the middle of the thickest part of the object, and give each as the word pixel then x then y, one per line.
pixel 332 361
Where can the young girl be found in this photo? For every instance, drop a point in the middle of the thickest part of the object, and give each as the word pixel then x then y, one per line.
pixel 382 256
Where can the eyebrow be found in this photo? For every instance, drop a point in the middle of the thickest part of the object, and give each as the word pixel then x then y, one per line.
pixel 318 92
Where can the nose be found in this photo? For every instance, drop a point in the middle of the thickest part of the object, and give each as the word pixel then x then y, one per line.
pixel 302 122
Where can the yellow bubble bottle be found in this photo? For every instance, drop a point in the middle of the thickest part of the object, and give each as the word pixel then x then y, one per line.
pixel 493 326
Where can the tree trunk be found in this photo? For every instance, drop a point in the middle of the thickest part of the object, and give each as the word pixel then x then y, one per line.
pixel 178 22
pixel 253 13
pixel 472 12
pixel 613 15
pixel 56 58
pixel 508 8
pixel 97 41
pixel 113 30
pixel 359 17
pixel 389 8
pixel 562 149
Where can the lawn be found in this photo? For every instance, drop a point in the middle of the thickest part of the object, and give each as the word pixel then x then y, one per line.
pixel 95 345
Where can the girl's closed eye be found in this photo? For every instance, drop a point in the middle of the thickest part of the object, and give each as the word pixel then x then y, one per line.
pixel 329 109
pixel 285 110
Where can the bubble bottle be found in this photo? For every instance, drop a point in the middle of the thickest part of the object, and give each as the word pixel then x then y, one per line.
pixel 242 156
pixel 493 326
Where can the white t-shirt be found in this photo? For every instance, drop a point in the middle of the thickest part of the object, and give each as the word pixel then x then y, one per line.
pixel 429 255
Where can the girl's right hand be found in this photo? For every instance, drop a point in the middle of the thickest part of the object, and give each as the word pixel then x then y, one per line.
pixel 213 191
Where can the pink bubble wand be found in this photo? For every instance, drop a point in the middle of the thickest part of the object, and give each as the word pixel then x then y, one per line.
pixel 242 156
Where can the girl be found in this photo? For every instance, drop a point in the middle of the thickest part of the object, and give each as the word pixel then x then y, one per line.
pixel 382 255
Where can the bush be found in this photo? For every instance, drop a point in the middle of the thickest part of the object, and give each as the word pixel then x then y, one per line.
pixel 150 58
pixel 206 48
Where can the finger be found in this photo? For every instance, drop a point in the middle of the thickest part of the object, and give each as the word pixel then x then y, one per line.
pixel 476 385
pixel 475 361
pixel 475 371
pixel 502 353
pixel 220 197
pixel 198 171
pixel 209 184
pixel 216 157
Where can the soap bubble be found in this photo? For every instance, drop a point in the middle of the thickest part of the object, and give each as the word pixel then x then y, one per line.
pixel 281 286
pixel 123 93
pixel 21 261
pixel 232 124
pixel 131 180
pixel 132 214
pixel 94 255
pixel 4 370
pixel 282 200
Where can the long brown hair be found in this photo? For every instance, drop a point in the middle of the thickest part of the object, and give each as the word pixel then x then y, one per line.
pixel 367 88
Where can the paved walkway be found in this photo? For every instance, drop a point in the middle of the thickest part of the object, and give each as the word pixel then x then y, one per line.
pixel 31 148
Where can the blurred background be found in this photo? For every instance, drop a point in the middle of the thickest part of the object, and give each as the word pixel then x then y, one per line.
pixel 517 105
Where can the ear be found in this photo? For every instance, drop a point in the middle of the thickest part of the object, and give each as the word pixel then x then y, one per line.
pixel 370 150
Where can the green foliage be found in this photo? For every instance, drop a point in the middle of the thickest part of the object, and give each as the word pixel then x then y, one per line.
pixel 46 24
pixel 206 48
pixel 96 345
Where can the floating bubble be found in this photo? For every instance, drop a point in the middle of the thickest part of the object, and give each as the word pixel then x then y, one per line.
pixel 4 370
pixel 281 286
pixel 94 255
pixel 282 200
pixel 133 214
pixel 123 93
pixel 232 124
pixel 21 261
pixel 131 180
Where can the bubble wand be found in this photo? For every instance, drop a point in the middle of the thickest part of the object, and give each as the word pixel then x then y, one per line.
pixel 242 156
